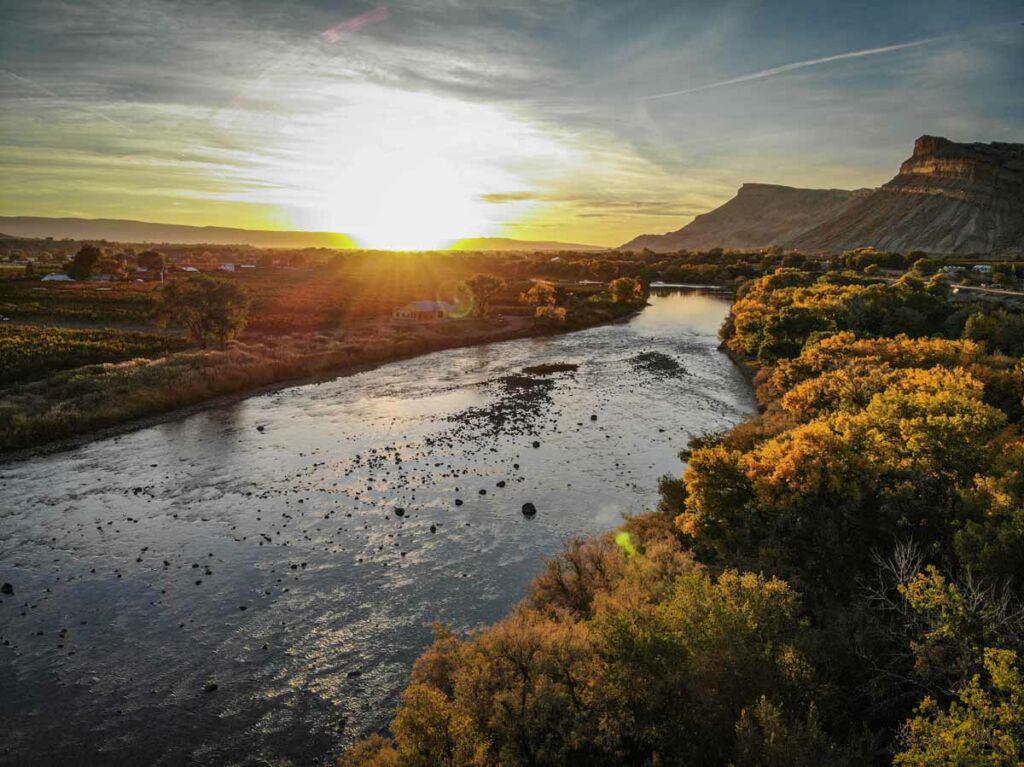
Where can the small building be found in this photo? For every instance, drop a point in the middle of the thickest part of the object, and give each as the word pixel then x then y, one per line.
pixel 227 267
pixel 57 277
pixel 188 269
pixel 424 310
pixel 983 268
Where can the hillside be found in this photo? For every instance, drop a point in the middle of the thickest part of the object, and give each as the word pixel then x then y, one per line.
pixel 122 230
pixel 505 243
pixel 758 216
pixel 948 197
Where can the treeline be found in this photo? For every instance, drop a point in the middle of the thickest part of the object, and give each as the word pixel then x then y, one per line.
pixel 837 581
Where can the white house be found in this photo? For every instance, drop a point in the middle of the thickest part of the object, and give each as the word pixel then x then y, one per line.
pixel 424 310
pixel 983 268
pixel 57 277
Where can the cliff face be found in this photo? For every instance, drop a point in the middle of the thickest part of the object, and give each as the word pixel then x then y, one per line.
pixel 947 198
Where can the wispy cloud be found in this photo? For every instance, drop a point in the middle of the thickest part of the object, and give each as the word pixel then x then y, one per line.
pixel 33 85
pixel 762 74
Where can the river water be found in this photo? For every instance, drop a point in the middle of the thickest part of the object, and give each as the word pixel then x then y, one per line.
pixel 258 547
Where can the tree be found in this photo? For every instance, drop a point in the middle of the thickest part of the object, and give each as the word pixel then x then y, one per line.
pixel 84 263
pixel 153 260
pixel 114 266
pixel 925 266
pixel 541 294
pixel 983 727
pixel 209 309
pixel 625 289
pixel 480 289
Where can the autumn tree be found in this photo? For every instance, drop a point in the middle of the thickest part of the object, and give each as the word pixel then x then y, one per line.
pixel 541 293
pixel 982 727
pixel 209 309
pixel 625 289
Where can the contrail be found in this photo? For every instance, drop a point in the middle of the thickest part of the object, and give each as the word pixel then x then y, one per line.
pixel 92 112
pixel 795 65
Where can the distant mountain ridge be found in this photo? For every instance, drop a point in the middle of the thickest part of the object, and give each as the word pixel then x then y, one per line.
pixel 759 215
pixel 123 230
pixel 505 243
pixel 948 197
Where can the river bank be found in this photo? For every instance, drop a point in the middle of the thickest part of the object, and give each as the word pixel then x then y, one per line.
pixel 77 406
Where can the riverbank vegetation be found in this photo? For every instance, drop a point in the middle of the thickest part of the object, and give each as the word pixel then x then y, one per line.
pixel 52 390
pixel 837 581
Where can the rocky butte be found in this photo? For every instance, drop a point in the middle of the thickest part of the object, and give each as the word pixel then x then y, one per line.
pixel 948 197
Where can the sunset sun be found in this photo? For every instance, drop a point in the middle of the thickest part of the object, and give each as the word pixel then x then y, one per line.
pixel 399 170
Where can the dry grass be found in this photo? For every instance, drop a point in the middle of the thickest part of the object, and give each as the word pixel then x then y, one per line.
pixel 77 401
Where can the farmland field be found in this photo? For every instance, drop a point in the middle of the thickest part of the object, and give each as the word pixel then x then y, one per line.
pixel 28 353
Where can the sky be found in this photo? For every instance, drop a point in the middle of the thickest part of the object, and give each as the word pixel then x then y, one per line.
pixel 411 124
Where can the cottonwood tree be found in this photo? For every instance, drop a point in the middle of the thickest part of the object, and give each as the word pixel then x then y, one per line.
pixel 481 288
pixel 209 309
pixel 152 260
pixel 542 293
pixel 84 263
pixel 625 289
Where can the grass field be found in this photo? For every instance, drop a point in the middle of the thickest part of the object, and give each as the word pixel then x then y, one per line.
pixel 28 353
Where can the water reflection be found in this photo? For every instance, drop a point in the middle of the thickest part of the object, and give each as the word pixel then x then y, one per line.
pixel 273 562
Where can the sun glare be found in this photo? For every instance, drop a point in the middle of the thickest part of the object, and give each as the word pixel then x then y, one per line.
pixel 403 171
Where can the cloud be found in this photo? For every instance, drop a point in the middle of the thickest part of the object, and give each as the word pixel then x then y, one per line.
pixel 501 198
pixel 762 74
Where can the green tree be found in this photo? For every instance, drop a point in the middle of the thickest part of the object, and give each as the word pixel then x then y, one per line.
pixel 925 266
pixel 983 727
pixel 85 262
pixel 1002 330
pixel 153 260
pixel 207 308
pixel 115 266
pixel 480 289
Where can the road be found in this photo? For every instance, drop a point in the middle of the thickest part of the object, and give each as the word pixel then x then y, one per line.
pixel 993 291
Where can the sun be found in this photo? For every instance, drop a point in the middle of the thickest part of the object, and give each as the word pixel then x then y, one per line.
pixel 410 201
pixel 402 170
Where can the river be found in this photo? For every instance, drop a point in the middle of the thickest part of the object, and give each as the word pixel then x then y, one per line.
pixel 238 586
